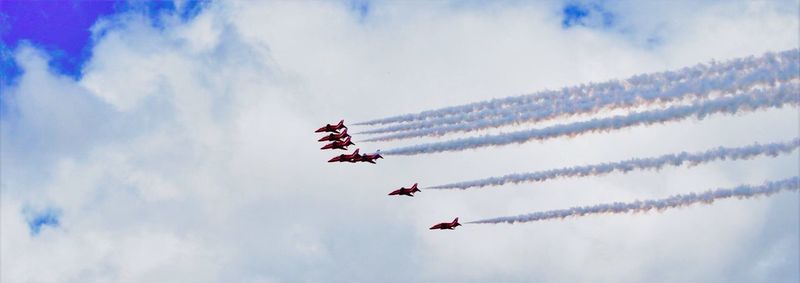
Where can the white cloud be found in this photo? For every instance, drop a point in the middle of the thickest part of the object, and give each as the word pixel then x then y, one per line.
pixel 187 154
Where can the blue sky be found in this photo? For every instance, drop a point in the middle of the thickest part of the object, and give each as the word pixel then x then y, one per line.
pixel 42 219
pixel 577 14
pixel 172 141
pixel 63 27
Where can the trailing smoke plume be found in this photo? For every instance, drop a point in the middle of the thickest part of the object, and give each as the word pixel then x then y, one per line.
pixel 751 72
pixel 751 100
pixel 656 163
pixel 708 197
pixel 600 89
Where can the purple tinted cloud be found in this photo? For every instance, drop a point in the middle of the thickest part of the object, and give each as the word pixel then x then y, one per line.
pixel 61 27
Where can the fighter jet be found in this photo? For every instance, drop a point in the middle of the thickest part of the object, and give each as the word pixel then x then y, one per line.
pixel 406 192
pixel 339 144
pixel 446 225
pixel 346 157
pixel 368 157
pixel 332 128
pixel 333 137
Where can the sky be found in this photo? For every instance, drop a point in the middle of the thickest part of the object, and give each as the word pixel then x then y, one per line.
pixel 173 142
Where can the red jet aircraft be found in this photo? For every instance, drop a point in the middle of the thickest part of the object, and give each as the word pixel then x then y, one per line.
pixel 346 157
pixel 332 128
pixel 368 158
pixel 339 144
pixel 406 192
pixel 447 225
pixel 333 137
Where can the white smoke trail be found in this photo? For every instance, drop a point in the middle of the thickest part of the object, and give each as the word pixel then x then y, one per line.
pixel 761 71
pixel 750 101
pixel 690 159
pixel 548 112
pixel 600 89
pixel 708 197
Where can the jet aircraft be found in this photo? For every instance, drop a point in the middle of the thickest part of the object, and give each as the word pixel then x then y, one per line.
pixel 333 137
pixel 332 128
pixel 405 191
pixel 368 158
pixel 339 144
pixel 446 225
pixel 346 157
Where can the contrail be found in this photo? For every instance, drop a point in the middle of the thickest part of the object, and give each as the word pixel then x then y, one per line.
pixel 708 197
pixel 750 101
pixel 600 89
pixel 761 71
pixel 690 159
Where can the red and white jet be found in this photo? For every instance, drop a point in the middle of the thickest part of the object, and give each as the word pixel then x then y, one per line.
pixel 346 157
pixel 446 225
pixel 332 128
pixel 368 158
pixel 406 192
pixel 334 137
pixel 339 144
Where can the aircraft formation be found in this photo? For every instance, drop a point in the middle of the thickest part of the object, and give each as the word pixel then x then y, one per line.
pixel 755 83
pixel 342 140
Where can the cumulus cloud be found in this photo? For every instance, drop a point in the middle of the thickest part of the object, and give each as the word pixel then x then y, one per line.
pixel 185 152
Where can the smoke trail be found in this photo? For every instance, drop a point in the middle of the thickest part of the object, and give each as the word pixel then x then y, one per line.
pixel 752 100
pixel 690 159
pixel 551 111
pixel 708 197
pixel 597 89
pixel 699 86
